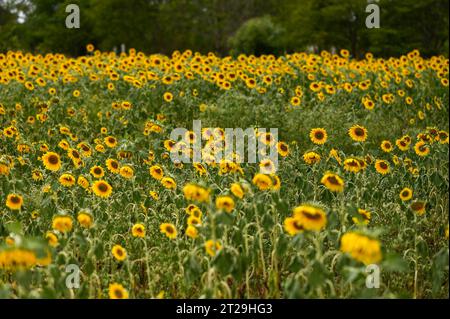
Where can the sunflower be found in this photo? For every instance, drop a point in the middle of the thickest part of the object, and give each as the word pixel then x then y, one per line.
pixel 293 226
pixel 110 141
pixel 117 291
pixel 421 149
pixel 333 182
pixel 283 149
pixel 194 221
pixel 318 136
pixel 212 247
pixel 37 175
pixel 168 97
pixel 402 144
pixel 83 182
pixel 418 207
pixel 67 180
pixel 52 239
pixel 51 161
pixel 97 171
pixel 262 181
pixel 361 248
pixel 352 165
pixel 119 252
pixel 310 217
pixel 225 202
pixel 138 230
pixel 295 101
pixel 169 183
pixel 382 167
pixel 311 158
pixel 237 190
pixel 386 146
pixel 406 194
pixel 169 230
pixel 85 219
pixel 191 231
pixel 266 166
pixel 363 217
pixel 156 172
pixel 74 155
pixel 14 201
pixel 101 188
pixel 266 138
pixel 62 223
pixel 358 133
pixel 113 165
pixel 196 193
pixel 169 144
pixel 126 172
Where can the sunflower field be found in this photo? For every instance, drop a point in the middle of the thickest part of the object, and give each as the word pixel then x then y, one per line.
pixel 92 206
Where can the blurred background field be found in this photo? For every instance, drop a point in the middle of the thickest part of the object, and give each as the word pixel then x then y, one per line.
pixel 224 27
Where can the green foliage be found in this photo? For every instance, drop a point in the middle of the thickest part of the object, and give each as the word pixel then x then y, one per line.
pixel 257 36
pixel 251 26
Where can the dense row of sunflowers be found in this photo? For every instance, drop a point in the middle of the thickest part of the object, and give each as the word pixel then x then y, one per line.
pixel 87 178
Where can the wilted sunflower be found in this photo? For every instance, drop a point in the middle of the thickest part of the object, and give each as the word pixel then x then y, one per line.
pixel 358 133
pixel 14 201
pixel 318 136
pixel 382 167
pixel 333 182
pixel 418 207
pixel 101 188
pixel 406 194
pixel 51 161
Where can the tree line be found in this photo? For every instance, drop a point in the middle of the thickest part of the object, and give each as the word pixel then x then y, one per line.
pixel 226 26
